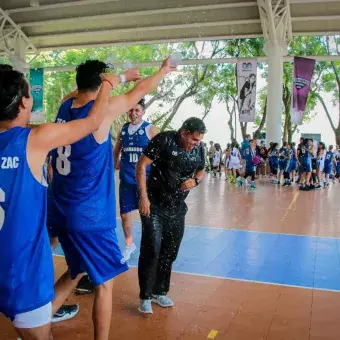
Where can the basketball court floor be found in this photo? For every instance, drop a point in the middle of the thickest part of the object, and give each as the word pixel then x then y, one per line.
pixel 261 264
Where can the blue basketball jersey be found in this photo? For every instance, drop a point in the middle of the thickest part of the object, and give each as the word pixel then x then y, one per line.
pixel 329 157
pixel 26 265
pixel 132 148
pixel 83 179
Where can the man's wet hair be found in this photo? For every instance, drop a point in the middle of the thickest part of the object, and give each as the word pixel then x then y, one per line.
pixel 88 75
pixel 193 125
pixel 13 86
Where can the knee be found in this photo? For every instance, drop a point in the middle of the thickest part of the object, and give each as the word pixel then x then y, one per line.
pixel 104 288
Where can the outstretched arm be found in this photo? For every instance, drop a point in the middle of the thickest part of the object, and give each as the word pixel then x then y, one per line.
pixel 49 136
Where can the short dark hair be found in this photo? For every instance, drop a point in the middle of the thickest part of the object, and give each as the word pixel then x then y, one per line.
pixel 5 67
pixel 13 86
pixel 88 75
pixel 193 125
pixel 142 103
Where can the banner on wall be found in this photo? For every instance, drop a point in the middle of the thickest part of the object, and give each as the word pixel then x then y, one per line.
pixel 37 93
pixel 246 86
pixel 303 73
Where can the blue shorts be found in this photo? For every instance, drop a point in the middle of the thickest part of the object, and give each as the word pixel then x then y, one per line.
pixel 97 253
pixel 128 197
pixel 306 165
pixel 328 168
pixel 338 167
pixel 293 165
pixel 283 165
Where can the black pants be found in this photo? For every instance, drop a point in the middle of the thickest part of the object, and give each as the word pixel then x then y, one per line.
pixel 162 234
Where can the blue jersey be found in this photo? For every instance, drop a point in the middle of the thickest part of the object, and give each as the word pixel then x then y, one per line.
pixel 132 148
pixel 305 154
pixel 329 157
pixel 248 155
pixel 274 153
pixel 26 265
pixel 83 179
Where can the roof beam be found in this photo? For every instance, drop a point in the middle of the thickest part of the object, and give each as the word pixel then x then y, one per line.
pixel 151 28
pixel 142 13
pixel 59 5
pixel 197 62
pixel 11 35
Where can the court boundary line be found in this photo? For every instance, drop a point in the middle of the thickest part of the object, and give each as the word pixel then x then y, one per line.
pixel 242 280
pixel 251 231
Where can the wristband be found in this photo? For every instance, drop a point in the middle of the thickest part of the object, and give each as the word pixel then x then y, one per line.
pixel 122 78
pixel 108 82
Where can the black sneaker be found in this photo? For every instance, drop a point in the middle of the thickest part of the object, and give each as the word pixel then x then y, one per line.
pixel 318 187
pixel 65 312
pixel 84 286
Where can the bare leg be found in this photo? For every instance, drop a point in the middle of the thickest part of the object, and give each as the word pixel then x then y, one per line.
pixel 127 227
pixel 62 288
pixel 54 241
pixel 102 310
pixel 38 333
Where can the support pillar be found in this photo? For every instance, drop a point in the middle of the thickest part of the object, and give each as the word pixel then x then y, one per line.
pixel 275 54
pixel 277 32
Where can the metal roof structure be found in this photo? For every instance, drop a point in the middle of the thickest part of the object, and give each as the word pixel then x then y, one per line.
pixel 65 24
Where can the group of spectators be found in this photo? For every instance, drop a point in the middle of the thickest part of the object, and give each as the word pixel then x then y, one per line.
pixel 309 163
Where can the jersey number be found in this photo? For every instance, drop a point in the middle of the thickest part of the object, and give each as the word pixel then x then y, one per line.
pixel 63 163
pixel 2 211
pixel 133 157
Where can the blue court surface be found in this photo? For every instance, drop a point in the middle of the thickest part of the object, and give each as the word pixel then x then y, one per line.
pixel 293 260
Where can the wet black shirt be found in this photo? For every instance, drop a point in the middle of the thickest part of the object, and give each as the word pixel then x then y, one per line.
pixel 171 166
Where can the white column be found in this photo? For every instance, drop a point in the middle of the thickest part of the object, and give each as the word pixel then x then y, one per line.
pixel 19 57
pixel 275 53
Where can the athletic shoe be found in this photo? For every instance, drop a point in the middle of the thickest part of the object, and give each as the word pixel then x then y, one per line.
pixel 84 286
pixel 129 250
pixel 65 313
pixel 312 187
pixel 318 187
pixel 162 300
pixel 145 307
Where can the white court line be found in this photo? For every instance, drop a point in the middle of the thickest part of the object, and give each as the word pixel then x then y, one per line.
pixel 252 231
pixel 242 280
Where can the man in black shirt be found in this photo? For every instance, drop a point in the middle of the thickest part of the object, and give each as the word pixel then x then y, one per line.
pixel 177 165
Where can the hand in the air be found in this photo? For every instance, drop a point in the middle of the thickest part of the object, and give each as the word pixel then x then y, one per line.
pixel 114 79
pixel 132 74
pixel 166 66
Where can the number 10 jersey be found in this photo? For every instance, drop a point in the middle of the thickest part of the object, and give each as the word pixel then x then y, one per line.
pixel 133 146
pixel 82 190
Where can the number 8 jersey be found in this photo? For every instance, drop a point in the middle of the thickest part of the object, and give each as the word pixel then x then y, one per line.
pixel 133 145
pixel 82 190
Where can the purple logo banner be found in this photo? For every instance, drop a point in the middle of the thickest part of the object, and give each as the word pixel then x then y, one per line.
pixel 303 73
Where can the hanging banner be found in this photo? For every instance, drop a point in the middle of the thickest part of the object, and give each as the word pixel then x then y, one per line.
pixel 246 85
pixel 37 93
pixel 303 73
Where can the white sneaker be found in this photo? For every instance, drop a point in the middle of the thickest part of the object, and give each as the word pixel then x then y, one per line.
pixel 145 307
pixel 162 300
pixel 128 251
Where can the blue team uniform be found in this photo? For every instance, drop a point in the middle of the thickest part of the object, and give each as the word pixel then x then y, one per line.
pixel 248 155
pixel 26 265
pixel 328 168
pixel 284 159
pixel 82 205
pixel 274 161
pixel 306 160
pixel 337 164
pixel 132 148
pixel 293 160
